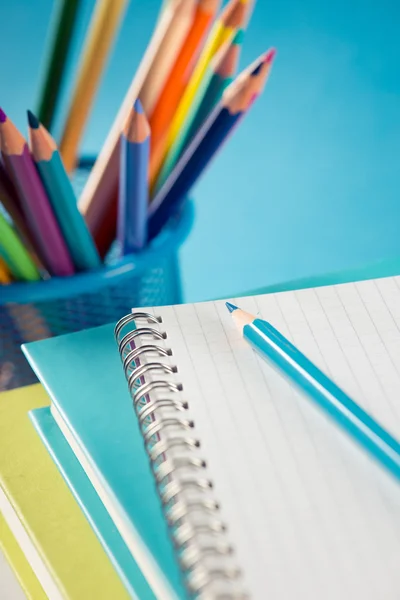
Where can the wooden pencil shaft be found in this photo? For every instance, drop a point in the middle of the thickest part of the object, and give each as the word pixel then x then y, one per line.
pixel 5 275
pixel 42 221
pixel 61 197
pixel 9 198
pixel 58 50
pixel 236 100
pixel 166 57
pixel 207 95
pixel 234 16
pixel 73 227
pixel 15 254
pixel 132 222
pixel 212 96
pixel 98 201
pixel 12 205
pixel 102 31
pixel 175 86
pixel 189 168
pixel 36 207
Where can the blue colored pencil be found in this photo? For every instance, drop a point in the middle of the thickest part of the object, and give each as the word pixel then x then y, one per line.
pixel 235 102
pixel 133 186
pixel 275 348
pixel 62 198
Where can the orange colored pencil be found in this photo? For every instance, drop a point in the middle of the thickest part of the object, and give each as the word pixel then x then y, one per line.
pixel 176 83
pixel 5 276
pixel 169 50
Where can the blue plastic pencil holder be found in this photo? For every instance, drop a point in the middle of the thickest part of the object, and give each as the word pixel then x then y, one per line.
pixel 34 311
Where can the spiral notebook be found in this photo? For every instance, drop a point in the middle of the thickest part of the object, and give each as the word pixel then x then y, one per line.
pixel 263 496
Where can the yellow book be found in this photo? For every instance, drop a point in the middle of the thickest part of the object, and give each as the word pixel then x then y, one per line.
pixel 42 514
pixel 18 562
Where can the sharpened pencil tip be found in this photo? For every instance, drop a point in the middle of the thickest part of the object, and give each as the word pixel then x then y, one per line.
pixel 239 37
pixel 257 69
pixel 269 57
pixel 138 106
pixel 3 116
pixel 33 120
pixel 230 307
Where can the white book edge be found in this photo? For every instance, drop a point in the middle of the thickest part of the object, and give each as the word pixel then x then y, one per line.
pixel 37 563
pixel 130 535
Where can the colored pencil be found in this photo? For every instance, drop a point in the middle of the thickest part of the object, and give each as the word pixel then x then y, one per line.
pixel 62 198
pixel 58 50
pixel 15 254
pixel 204 12
pixel 37 209
pixel 102 31
pixel 5 275
pixel 183 14
pixel 234 16
pixel 98 202
pixel 219 75
pixel 10 201
pixel 272 346
pixel 133 189
pixel 235 101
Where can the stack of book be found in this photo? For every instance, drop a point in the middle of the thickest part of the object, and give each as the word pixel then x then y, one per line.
pixel 162 458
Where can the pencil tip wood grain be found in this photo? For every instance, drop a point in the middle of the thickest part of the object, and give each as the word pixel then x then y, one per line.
pixel 236 13
pixel 209 5
pixel 226 60
pixel 98 201
pixel 104 25
pixel 137 128
pixel 11 140
pixel 41 143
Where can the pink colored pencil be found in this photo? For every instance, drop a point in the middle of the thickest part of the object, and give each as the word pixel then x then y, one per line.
pixel 34 202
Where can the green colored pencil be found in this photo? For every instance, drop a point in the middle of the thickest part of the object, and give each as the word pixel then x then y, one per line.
pixel 15 254
pixel 61 37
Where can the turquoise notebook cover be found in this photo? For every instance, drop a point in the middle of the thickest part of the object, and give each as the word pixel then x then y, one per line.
pixel 91 505
pixel 83 375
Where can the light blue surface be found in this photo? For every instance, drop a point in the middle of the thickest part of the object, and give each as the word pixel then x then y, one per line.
pixel 83 375
pixel 91 505
pixel 283 355
pixel 310 182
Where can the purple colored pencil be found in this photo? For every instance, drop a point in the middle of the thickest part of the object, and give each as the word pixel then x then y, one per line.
pixel 10 202
pixel 35 204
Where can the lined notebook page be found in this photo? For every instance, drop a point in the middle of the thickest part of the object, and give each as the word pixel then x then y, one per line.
pixel 310 515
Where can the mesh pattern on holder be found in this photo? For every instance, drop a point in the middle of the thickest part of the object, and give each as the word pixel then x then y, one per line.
pixel 22 322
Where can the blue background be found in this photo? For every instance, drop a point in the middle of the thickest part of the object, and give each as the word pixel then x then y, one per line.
pixel 310 182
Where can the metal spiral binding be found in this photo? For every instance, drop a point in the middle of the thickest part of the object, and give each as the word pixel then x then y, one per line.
pixel 185 491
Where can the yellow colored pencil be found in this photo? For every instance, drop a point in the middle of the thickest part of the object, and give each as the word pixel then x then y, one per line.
pixel 103 28
pixel 233 17
pixel 5 276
